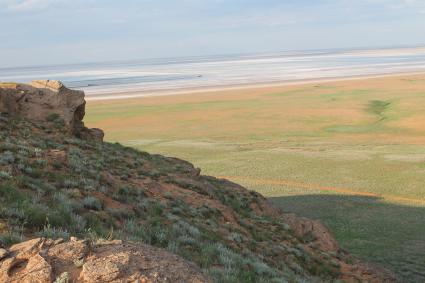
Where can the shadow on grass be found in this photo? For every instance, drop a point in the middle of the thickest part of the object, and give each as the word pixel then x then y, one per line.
pixel 388 234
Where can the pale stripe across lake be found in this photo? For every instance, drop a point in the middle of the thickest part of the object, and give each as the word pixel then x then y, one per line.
pixel 152 76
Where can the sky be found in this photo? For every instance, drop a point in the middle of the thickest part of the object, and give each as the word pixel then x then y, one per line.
pixel 44 32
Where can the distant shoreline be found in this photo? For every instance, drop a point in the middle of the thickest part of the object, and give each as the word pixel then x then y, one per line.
pixel 200 90
pixel 175 76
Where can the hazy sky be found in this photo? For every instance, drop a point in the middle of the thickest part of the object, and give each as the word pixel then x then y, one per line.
pixel 71 31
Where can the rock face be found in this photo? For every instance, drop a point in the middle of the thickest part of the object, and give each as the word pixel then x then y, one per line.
pixel 44 260
pixel 42 100
pixel 312 231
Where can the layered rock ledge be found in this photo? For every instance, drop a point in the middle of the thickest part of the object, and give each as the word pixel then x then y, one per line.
pixel 43 100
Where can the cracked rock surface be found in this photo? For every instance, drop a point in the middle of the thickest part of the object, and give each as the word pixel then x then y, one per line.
pixel 44 260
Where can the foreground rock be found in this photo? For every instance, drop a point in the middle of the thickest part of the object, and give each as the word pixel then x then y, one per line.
pixel 44 260
pixel 43 100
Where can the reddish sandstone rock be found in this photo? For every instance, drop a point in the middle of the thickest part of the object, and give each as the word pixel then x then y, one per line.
pixel 44 260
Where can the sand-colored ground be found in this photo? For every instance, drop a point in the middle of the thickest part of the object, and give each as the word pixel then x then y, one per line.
pixel 349 152
pixel 338 109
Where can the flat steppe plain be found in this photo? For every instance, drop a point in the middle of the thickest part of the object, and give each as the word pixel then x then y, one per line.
pixel 350 153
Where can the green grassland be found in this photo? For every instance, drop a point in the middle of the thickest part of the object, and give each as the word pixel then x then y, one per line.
pixel 349 153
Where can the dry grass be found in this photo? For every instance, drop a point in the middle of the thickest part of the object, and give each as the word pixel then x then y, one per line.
pixel 365 136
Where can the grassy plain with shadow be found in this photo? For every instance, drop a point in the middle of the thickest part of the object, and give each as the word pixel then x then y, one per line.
pixel 361 137
pixel 386 233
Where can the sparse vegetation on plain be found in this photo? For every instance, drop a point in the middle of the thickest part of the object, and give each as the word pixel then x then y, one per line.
pixel 350 153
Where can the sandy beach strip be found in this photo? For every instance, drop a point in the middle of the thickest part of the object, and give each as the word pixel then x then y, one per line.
pixel 263 87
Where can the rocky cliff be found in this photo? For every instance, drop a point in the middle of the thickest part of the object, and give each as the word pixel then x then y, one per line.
pixel 45 100
pixel 57 182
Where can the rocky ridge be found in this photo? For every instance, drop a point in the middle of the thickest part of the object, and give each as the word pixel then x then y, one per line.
pixel 58 180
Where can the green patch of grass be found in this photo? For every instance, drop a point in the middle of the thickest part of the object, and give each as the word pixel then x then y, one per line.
pixel 381 110
pixel 343 94
pixel 378 107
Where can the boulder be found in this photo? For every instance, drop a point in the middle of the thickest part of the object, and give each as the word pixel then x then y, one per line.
pixel 45 260
pixel 47 100
pixel 91 134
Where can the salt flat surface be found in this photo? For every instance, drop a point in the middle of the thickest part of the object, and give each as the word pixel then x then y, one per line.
pixel 155 76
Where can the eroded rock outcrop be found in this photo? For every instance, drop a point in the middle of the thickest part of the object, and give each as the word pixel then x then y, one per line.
pixel 312 231
pixel 42 100
pixel 45 260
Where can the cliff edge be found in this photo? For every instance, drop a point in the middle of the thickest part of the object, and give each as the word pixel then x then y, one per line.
pixel 44 100
pixel 58 180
